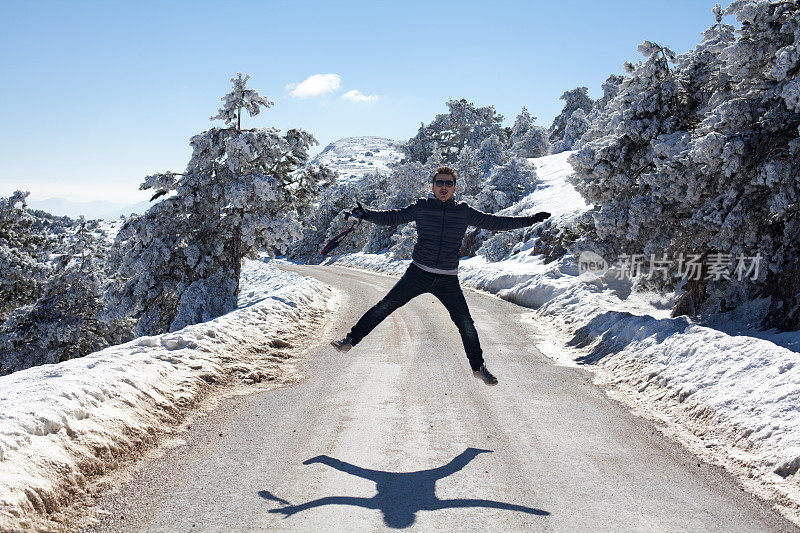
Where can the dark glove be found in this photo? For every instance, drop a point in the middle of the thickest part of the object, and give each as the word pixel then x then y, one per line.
pixel 538 217
pixel 359 212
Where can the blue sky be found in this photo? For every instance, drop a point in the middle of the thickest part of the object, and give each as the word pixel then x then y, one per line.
pixel 96 95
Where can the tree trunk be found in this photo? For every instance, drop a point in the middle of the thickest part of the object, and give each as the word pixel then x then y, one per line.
pixel 236 250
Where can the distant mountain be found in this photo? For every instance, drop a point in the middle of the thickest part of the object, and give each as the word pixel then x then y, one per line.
pixel 98 209
pixel 138 209
pixel 353 157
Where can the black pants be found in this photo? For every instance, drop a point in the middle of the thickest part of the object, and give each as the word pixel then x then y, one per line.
pixel 413 283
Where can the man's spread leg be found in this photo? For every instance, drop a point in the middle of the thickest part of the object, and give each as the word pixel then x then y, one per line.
pixel 448 291
pixel 414 282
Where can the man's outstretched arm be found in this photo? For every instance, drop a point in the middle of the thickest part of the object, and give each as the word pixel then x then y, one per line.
pixel 390 217
pixel 483 220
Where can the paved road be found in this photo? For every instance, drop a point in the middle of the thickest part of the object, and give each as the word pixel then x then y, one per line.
pixel 397 433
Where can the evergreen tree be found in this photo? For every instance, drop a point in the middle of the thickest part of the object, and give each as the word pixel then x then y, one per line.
pixel 522 124
pixel 243 191
pixel 68 319
pixel 577 98
pixel 577 126
pixel 24 266
pixel 448 133
pixel 703 158
pixel 507 183
pixel 490 154
pixel 470 177
pixel 534 143
pixel 528 140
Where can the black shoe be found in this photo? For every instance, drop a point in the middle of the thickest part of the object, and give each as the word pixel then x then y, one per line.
pixel 343 345
pixel 484 374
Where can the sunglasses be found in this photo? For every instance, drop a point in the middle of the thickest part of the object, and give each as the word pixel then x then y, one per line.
pixel 444 183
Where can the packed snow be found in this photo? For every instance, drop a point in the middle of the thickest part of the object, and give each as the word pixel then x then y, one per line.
pixel 354 157
pixel 729 394
pixel 63 424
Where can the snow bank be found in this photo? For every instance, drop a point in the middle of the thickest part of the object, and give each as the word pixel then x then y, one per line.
pixel 61 424
pixel 729 397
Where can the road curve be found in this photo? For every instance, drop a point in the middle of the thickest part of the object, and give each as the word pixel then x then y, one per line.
pixel 398 434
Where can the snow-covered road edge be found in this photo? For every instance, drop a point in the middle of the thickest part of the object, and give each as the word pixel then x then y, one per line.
pixel 63 424
pixel 731 400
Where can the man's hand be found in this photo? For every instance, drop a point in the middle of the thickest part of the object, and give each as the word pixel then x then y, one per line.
pixel 359 212
pixel 538 217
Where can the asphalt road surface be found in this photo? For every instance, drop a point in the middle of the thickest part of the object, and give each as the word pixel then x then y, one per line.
pixel 397 434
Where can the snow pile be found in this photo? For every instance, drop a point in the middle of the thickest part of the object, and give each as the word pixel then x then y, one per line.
pixel 62 424
pixel 729 397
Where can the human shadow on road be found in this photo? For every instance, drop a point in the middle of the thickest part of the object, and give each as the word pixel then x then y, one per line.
pixel 400 494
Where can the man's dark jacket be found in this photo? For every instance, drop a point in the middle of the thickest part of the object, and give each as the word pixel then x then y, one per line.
pixel 441 227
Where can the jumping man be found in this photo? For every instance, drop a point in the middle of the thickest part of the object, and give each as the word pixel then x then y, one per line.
pixel 441 224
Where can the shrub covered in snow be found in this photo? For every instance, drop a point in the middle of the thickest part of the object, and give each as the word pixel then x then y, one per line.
pixel 499 245
pixel 403 242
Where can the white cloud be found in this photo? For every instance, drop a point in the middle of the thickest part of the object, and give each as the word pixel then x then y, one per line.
pixel 356 96
pixel 315 85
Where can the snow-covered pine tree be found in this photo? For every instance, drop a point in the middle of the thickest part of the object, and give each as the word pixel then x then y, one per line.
pixel 609 169
pixel 24 266
pixel 526 139
pixel 535 143
pixel 597 116
pixel 577 98
pixel 577 126
pixel 470 178
pixel 448 133
pixel 506 184
pixel 490 154
pixel 522 124
pixel 68 319
pixel 242 192
pixel 704 158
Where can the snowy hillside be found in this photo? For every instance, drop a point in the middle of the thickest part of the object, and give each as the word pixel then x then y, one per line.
pixel 729 395
pixel 62 424
pixel 353 157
